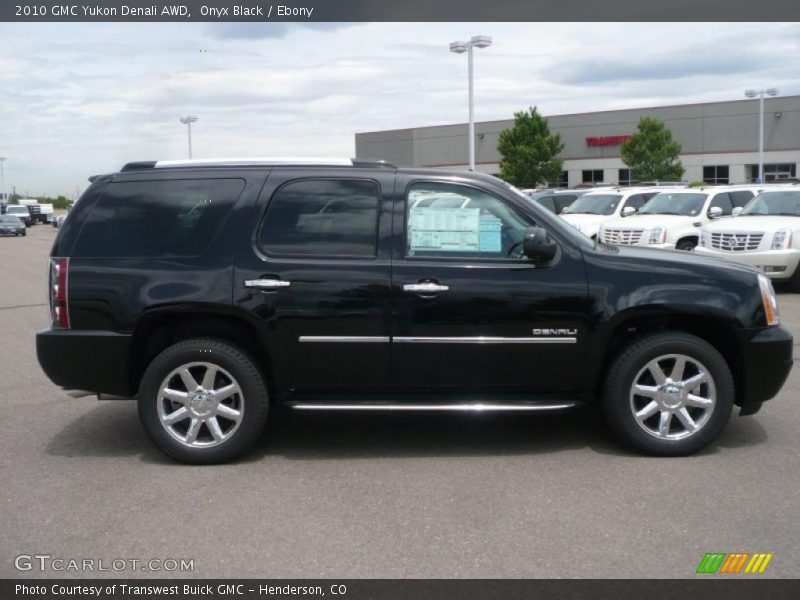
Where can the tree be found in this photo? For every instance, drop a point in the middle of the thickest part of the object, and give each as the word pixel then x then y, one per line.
pixel 529 151
pixel 651 153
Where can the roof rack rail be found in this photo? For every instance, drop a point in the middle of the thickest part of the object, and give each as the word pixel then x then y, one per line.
pixel 138 165
pixel 255 162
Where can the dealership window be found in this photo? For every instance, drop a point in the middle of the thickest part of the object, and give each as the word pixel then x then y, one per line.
pixel 774 172
pixel 322 217
pixel 593 176
pixel 563 181
pixel 624 177
pixel 716 174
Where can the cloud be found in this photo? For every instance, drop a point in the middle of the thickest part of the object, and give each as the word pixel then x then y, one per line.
pixel 79 99
pixel 266 30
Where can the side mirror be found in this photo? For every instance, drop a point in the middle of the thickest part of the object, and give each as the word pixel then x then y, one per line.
pixel 628 211
pixel 738 210
pixel 537 246
pixel 714 212
pixel 563 210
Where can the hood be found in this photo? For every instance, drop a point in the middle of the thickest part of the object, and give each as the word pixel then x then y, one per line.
pixel 588 224
pixel 690 261
pixel 651 221
pixel 766 224
pixel 581 219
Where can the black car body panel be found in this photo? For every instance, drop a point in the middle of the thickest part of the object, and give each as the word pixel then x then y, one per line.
pixel 346 325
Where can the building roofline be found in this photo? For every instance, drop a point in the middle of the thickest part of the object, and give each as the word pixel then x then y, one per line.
pixel 575 114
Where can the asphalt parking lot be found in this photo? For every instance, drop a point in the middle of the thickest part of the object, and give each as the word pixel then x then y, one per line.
pixel 370 496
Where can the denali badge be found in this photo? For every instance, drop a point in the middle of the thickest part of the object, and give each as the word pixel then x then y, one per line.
pixel 555 332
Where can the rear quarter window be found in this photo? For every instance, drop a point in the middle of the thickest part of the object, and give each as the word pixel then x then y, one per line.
pixel 157 218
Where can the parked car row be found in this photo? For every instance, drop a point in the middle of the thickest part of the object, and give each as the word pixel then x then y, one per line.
pixel 672 218
pixel 31 211
pixel 758 225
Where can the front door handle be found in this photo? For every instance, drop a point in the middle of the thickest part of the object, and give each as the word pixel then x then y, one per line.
pixel 266 284
pixel 426 287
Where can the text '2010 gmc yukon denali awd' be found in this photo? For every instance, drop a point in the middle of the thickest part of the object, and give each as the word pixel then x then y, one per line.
pixel 212 291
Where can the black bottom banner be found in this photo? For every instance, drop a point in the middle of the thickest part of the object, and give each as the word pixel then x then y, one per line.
pixel 400 589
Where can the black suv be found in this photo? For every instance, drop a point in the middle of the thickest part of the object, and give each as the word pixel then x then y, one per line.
pixel 214 291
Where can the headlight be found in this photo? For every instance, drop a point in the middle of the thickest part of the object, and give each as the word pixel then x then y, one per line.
pixel 769 300
pixel 704 237
pixel 601 233
pixel 781 239
pixel 657 235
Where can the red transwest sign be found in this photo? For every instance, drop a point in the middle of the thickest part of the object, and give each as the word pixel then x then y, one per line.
pixel 607 140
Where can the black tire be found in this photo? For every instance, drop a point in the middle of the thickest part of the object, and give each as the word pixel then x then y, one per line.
pixel 24 233
pixel 686 245
pixel 239 365
pixel 617 399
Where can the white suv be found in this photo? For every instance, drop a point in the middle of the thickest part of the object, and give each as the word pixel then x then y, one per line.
pixel 594 208
pixel 766 234
pixel 672 219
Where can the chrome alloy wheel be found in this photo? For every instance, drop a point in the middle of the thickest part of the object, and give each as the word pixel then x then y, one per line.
pixel 200 404
pixel 673 397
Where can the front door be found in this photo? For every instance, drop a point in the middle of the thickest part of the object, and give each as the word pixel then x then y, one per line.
pixel 317 281
pixel 472 313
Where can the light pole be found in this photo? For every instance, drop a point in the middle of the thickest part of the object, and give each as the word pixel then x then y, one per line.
pixel 477 41
pixel 188 120
pixel 760 94
pixel 3 199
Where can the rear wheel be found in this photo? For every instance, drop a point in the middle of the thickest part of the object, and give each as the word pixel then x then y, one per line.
pixel 203 401
pixel 669 394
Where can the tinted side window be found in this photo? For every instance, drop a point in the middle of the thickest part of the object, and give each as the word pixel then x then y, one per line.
pixel 548 203
pixel 741 198
pixel 722 200
pixel 322 217
pixel 563 201
pixel 157 218
pixel 636 201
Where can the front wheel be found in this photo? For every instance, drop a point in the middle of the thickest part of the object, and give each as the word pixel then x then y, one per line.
pixel 203 401
pixel 686 245
pixel 669 394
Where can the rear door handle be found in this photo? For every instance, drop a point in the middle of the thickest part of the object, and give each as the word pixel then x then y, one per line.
pixel 266 284
pixel 427 287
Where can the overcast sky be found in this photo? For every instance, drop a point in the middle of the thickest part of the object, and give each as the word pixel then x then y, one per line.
pixel 80 99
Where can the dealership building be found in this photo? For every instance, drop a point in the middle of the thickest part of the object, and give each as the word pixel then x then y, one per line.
pixel 719 142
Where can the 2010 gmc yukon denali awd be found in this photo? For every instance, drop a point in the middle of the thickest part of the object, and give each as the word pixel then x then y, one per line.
pixel 213 291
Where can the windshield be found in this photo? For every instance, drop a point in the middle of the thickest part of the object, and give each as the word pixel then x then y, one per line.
pixel 554 222
pixel 8 219
pixel 669 203
pixel 785 203
pixel 594 204
pixel 17 209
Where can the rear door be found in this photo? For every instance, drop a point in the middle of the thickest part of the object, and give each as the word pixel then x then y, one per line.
pixel 316 278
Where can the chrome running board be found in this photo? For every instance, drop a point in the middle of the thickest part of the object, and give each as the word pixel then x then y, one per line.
pixel 462 407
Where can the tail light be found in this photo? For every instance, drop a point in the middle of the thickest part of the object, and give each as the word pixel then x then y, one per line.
pixel 59 293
